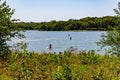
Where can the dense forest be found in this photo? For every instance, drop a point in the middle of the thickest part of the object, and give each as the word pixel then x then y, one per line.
pixel 88 23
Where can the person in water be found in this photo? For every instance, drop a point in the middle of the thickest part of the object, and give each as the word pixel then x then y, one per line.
pixel 70 38
pixel 50 47
pixel 68 35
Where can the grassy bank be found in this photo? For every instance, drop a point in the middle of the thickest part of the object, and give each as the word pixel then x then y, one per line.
pixel 62 66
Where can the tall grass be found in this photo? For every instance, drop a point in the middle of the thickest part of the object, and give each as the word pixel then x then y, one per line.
pixel 62 66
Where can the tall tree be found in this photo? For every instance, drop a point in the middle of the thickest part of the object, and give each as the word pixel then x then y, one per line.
pixel 112 38
pixel 7 30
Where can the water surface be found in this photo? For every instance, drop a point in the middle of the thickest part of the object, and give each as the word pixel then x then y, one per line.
pixel 60 40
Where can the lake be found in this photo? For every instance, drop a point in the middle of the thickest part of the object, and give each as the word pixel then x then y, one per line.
pixel 60 40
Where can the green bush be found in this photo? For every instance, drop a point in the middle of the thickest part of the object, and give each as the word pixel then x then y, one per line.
pixel 61 66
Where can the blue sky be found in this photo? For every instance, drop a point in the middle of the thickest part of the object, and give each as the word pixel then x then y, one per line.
pixel 47 10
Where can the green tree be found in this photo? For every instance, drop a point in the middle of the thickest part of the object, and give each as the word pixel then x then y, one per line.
pixel 112 38
pixel 7 28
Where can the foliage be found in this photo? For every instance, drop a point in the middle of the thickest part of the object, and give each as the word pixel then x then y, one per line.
pixel 88 23
pixel 62 72
pixel 112 38
pixel 7 28
pixel 60 66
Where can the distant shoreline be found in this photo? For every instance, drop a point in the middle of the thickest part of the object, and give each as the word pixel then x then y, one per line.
pixel 86 24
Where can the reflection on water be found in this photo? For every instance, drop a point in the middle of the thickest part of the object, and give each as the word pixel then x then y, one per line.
pixel 40 40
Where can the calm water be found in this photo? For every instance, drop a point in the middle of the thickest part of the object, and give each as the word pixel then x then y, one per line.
pixel 60 40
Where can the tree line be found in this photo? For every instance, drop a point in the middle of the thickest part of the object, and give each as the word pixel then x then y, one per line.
pixel 88 23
